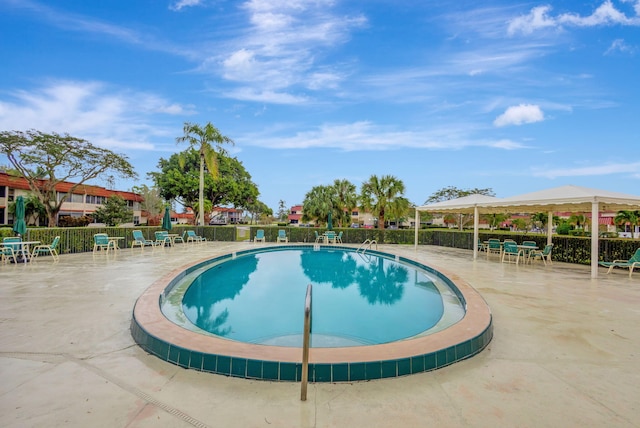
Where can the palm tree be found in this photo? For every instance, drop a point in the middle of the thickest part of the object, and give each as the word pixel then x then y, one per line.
pixel 398 209
pixel 540 220
pixel 578 220
pixel 495 220
pixel 318 202
pixel 345 194
pixel 627 217
pixel 201 138
pixel 379 195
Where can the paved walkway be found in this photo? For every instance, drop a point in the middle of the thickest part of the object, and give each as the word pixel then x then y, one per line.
pixel 565 353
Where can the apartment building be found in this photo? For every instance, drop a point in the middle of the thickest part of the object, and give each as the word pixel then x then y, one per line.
pixel 84 200
pixel 224 215
pixel 358 217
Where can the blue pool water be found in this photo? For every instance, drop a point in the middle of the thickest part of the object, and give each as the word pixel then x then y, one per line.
pixel 357 299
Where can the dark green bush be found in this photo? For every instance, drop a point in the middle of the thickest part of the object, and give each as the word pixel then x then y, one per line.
pixel 563 228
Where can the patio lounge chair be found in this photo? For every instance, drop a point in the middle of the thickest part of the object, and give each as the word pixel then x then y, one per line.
pixel 339 238
pixel 282 236
pixel 47 249
pixel 101 242
pixel 545 254
pixel 510 250
pixel 527 248
pixel 632 263
pixel 162 238
pixel 494 246
pixel 259 236
pixel 7 252
pixel 319 238
pixel 177 238
pixel 190 236
pixel 140 240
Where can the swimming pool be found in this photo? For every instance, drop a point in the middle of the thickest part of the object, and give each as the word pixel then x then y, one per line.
pixel 412 321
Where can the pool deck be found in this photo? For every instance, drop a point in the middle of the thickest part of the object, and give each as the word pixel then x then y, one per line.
pixel 565 352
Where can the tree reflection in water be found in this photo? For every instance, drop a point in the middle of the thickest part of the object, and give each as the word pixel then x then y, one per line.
pixel 334 267
pixel 219 283
pixel 382 281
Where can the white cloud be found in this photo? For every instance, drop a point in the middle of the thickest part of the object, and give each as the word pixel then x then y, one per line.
pixel 106 116
pixel 633 169
pixel 367 136
pixel 539 17
pixel 520 114
pixel 272 97
pixel 178 5
pixel 280 48
pixel 535 20
pixel 619 45
pixel 507 145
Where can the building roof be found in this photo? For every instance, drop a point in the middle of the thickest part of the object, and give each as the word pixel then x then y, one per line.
pixel 64 187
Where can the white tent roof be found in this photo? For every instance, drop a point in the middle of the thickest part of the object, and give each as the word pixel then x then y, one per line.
pixel 567 198
pixel 465 204
pixel 564 198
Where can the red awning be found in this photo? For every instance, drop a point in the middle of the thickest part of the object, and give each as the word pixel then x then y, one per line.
pixel 605 220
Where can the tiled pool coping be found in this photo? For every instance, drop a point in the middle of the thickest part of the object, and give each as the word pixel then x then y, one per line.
pixel 166 340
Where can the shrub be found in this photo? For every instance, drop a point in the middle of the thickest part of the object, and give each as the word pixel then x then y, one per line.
pixel 563 228
pixel 68 221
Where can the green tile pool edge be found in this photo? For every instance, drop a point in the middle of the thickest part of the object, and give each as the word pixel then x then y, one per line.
pixel 291 372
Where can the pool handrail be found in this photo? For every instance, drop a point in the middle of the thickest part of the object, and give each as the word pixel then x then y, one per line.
pixel 305 344
pixel 367 241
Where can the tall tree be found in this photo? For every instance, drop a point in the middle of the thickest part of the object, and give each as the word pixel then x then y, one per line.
pixel 579 221
pixel 257 209
pixel 540 219
pixel 202 138
pixel 379 195
pixel 452 192
pixel 345 200
pixel 153 203
pixel 317 204
pixel 178 177
pixel 46 160
pixel 114 212
pixel 624 218
pixel 33 209
pixel 399 209
pixel 283 211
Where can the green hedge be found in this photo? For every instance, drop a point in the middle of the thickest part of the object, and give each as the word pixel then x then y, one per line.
pixel 570 249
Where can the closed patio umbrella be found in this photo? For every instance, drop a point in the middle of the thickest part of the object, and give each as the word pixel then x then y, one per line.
pixel 329 223
pixel 20 226
pixel 166 220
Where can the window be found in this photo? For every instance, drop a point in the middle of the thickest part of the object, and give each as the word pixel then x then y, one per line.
pixel 3 190
pixel 136 220
pixel 11 195
pixel 354 213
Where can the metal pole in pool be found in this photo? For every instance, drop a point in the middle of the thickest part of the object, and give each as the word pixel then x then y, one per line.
pixel 305 344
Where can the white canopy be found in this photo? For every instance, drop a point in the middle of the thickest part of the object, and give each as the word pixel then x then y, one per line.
pixel 465 204
pixel 564 198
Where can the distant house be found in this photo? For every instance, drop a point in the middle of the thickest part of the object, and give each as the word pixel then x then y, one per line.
pixel 295 215
pixel 223 215
pixel 84 200
pixel 362 219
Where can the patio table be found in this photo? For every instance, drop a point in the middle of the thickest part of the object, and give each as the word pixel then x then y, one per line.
pixel 113 241
pixel 23 248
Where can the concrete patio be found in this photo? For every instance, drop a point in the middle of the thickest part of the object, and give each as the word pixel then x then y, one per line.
pixel 565 353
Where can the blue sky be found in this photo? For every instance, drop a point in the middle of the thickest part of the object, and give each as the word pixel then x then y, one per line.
pixel 516 97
